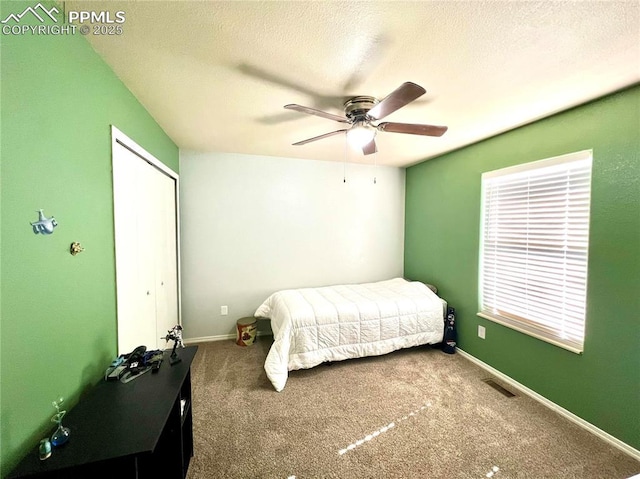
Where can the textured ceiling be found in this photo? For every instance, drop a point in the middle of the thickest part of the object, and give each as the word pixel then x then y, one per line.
pixel 216 74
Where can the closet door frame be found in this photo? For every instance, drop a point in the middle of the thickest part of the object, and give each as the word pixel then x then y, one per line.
pixel 119 139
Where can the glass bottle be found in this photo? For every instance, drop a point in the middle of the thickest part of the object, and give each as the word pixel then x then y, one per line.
pixel 61 435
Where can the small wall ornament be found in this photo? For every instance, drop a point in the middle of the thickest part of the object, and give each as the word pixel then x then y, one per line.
pixel 44 225
pixel 75 248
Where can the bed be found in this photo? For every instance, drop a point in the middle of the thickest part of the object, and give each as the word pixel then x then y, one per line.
pixel 333 323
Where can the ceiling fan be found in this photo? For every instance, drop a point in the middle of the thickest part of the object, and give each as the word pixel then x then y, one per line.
pixel 361 111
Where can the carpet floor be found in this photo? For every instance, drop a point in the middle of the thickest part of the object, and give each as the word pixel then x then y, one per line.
pixel 414 413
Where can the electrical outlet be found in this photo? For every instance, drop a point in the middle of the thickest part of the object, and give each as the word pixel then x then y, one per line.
pixel 224 310
pixel 481 332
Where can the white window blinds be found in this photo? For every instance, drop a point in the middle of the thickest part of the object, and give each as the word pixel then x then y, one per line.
pixel 534 246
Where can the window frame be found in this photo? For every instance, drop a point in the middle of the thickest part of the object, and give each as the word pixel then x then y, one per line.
pixel 530 327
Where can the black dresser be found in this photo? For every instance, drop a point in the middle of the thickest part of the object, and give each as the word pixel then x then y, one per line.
pixel 140 429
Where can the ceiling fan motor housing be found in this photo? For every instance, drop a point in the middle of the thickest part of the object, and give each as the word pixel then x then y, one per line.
pixel 356 108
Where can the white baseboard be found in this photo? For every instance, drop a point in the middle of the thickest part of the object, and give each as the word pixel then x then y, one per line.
pixel 624 447
pixel 220 337
pixel 206 339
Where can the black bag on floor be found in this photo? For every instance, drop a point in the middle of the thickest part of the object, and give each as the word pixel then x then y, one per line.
pixel 450 334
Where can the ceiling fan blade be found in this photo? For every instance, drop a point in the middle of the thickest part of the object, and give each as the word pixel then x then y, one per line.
pixel 404 94
pixel 326 135
pixel 370 148
pixel 260 74
pixel 319 100
pixel 412 129
pixel 370 58
pixel 313 111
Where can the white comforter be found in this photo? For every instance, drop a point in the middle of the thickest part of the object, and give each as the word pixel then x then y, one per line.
pixel 314 325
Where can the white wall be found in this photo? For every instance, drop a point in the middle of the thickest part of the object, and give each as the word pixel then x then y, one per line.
pixel 252 225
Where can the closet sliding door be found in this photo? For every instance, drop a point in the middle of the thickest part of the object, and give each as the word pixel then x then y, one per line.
pixel 146 241
pixel 166 249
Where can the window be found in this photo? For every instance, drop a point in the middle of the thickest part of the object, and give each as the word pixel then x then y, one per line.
pixel 534 246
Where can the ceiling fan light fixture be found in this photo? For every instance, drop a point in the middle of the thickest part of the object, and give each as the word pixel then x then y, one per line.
pixel 360 134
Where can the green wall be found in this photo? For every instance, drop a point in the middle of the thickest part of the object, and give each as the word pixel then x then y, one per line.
pixel 58 321
pixel 442 230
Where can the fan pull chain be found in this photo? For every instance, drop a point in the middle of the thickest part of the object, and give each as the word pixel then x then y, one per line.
pixel 375 166
pixel 344 163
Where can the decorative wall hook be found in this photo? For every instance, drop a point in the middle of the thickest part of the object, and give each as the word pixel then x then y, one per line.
pixel 44 225
pixel 75 248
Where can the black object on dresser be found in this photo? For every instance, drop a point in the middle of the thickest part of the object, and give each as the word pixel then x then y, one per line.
pixel 140 429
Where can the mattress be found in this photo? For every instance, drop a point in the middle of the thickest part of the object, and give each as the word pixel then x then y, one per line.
pixel 333 323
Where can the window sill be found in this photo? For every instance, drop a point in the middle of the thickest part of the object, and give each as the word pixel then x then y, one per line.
pixel 528 332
